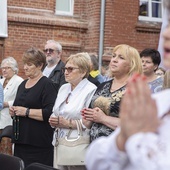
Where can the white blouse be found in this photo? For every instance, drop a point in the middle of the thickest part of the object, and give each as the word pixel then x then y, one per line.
pixel 9 96
pixel 144 151
pixel 78 99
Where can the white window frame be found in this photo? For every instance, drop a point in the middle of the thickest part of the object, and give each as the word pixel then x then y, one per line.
pixel 3 19
pixel 69 12
pixel 150 18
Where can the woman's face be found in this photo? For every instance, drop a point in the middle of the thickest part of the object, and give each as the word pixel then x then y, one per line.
pixel 119 64
pixel 166 47
pixel 72 73
pixel 148 66
pixel 7 71
pixel 31 70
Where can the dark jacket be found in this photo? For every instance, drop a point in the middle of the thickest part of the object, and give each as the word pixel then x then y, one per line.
pixel 93 80
pixel 57 76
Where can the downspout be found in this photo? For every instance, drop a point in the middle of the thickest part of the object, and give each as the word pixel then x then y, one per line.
pixel 101 38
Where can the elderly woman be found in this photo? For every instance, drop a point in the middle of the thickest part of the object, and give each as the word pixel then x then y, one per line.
pixel 31 110
pixel 10 82
pixel 103 116
pixel 72 98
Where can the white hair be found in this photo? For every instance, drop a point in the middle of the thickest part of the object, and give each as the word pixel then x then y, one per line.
pixel 57 44
pixel 12 63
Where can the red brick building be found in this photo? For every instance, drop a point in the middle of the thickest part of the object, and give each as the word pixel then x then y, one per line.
pixel 32 23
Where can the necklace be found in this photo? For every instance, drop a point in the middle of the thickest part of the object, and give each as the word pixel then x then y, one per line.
pixel 67 101
pixel 5 83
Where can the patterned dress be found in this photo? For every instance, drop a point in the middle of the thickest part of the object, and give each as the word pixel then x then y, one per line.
pixel 156 85
pixel 111 102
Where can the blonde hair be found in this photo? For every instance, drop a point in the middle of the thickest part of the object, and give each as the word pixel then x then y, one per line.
pixel 34 56
pixel 82 60
pixel 133 55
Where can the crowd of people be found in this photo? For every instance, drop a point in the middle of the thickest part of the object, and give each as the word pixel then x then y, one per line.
pixel 142 140
pixel 119 113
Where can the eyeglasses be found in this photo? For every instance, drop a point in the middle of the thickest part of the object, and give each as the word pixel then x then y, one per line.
pixel 69 69
pixel 5 68
pixel 49 50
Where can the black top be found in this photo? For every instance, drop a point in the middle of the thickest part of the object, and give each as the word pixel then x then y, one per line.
pixel 41 96
pixel 93 80
pixel 113 104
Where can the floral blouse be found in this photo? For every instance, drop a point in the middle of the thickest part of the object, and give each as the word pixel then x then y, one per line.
pixel 109 102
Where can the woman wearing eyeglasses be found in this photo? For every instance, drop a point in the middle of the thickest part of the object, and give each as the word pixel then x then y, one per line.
pixel 10 82
pixel 32 134
pixel 72 98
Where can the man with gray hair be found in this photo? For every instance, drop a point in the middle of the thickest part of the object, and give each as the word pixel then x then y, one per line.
pixel 53 69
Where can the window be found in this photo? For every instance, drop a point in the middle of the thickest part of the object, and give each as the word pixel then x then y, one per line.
pixel 151 10
pixel 64 7
pixel 3 19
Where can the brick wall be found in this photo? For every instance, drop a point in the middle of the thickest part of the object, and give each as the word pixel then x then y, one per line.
pixel 122 26
pixel 32 23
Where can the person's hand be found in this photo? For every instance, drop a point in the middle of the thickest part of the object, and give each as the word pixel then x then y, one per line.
pixel 17 110
pixel 138 111
pixel 58 121
pixel 5 105
pixel 94 115
pixel 54 121
pixel 11 111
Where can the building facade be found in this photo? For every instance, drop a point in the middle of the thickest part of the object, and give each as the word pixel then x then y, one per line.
pixel 32 23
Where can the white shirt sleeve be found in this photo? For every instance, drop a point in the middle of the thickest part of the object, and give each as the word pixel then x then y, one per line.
pixel 144 151
pixel 150 151
pixel 103 154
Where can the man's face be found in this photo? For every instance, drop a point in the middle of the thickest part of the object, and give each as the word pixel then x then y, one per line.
pixel 52 53
pixel 166 47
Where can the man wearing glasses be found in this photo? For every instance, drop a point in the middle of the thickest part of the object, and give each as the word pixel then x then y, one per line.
pixel 53 69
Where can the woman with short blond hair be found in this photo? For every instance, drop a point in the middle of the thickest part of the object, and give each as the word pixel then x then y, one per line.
pixel 72 98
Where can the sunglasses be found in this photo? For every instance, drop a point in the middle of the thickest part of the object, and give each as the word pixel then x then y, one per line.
pixel 69 69
pixel 49 50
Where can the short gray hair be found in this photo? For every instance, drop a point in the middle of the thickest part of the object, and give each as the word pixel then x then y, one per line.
pixel 12 63
pixel 57 44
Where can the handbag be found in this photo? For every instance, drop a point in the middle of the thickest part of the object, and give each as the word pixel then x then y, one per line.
pixel 71 151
